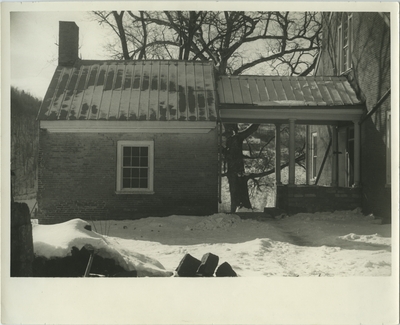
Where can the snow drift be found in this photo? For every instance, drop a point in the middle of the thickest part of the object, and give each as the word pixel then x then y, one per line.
pixel 341 243
pixel 57 241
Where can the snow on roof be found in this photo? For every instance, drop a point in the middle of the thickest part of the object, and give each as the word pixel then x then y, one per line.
pixel 150 90
pixel 52 241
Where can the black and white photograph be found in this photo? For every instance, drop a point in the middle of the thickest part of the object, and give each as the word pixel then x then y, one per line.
pixel 225 150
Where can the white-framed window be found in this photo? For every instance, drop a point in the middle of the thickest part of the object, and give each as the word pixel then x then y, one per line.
pixel 344 42
pixel 135 167
pixel 388 149
pixel 314 155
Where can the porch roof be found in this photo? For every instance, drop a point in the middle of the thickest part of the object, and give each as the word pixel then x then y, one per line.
pixel 275 99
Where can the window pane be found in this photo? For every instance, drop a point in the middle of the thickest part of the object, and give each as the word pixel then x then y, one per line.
pixel 126 183
pixel 135 161
pixel 135 151
pixel 135 183
pixel 143 183
pixel 135 172
pixel 143 172
pixel 127 151
pixel 127 161
pixel 126 172
pixel 143 161
pixel 144 151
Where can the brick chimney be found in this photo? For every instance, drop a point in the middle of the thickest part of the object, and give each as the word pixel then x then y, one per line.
pixel 68 43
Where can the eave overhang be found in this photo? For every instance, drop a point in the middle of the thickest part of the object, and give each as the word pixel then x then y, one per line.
pixel 303 115
pixel 96 126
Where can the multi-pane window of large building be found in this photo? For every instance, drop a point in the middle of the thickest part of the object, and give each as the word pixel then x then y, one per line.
pixel 345 42
pixel 135 166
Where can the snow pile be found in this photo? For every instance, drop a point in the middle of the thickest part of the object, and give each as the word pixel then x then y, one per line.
pixel 369 239
pixel 341 243
pixel 218 221
pixel 56 241
pixel 266 257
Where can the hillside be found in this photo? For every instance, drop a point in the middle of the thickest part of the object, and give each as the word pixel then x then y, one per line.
pixel 24 142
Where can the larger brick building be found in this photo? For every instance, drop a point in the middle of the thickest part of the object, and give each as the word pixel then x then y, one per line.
pixel 357 46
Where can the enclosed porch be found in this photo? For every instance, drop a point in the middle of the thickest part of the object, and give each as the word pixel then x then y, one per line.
pixel 309 101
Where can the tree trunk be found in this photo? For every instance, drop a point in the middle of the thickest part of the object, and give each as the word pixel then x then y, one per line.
pixel 234 159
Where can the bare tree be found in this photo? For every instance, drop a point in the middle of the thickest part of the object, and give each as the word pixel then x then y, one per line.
pixel 274 43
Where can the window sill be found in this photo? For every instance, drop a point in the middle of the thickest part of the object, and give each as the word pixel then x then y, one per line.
pixel 135 192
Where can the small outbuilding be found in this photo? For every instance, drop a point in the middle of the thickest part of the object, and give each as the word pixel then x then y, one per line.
pixel 125 139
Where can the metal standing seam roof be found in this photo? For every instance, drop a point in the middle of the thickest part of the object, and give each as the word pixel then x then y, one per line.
pixel 131 90
pixel 276 91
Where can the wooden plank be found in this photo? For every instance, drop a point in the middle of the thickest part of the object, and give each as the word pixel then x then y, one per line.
pixel 320 96
pixel 200 93
pixel 287 87
pixel 324 91
pixel 59 95
pixel 135 92
pixel 199 76
pixel 244 88
pixel 83 112
pixel 333 92
pixel 305 88
pixel 209 86
pixel 338 84
pixel 105 103
pixel 125 93
pixel 163 94
pixel 296 88
pixel 262 90
pixel 90 91
pixel 172 90
pixel 144 91
pixel 237 94
pixel 271 89
pixel 191 94
pixel 69 95
pixel 280 92
pixel 182 98
pixel 76 102
pixel 97 76
pixel 253 88
pixel 153 88
pixel 116 92
pixel 226 87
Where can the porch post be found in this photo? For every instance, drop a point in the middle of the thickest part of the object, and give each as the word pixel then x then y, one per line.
pixel 278 153
pixel 291 151
pixel 334 156
pixel 357 147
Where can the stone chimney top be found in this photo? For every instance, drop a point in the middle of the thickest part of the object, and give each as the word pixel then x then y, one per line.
pixel 68 43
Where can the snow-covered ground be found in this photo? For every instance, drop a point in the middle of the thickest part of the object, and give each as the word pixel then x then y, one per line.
pixel 343 243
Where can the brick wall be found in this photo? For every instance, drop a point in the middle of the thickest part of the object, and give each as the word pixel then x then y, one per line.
pixel 295 199
pixel 77 176
pixel 370 75
pixel 68 43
